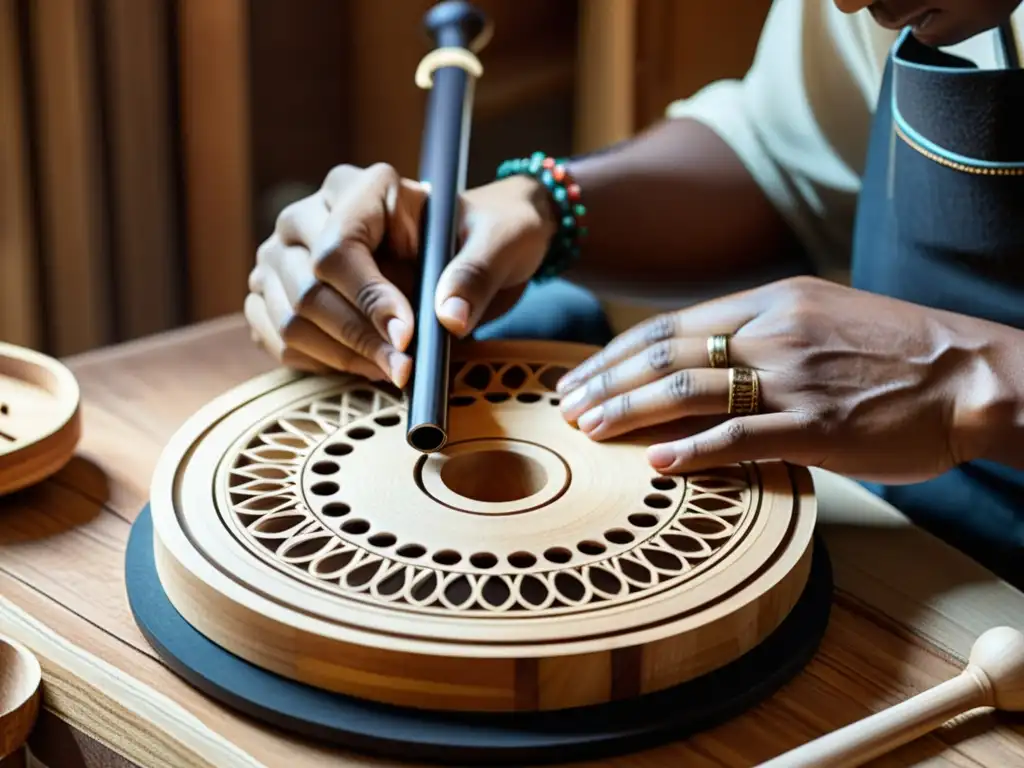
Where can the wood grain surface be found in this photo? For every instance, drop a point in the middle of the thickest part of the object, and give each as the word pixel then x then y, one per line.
pixel 907 610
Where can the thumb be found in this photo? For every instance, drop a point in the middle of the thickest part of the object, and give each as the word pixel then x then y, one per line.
pixel 469 283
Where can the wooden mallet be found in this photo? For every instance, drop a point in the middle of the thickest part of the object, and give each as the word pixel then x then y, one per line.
pixel 994 677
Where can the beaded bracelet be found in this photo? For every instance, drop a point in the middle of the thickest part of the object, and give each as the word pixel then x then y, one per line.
pixel 552 173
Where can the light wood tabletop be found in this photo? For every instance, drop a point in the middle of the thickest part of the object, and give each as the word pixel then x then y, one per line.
pixel 907 607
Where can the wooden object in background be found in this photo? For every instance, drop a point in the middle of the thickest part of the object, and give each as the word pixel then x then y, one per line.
pixel 638 56
pixel 383 53
pixel 681 47
pixel 94 176
pixel 20 315
pixel 40 424
pixel 478 578
pixel 151 144
pixel 301 110
pixel 20 680
pixel 75 243
pixel 138 99
pixel 530 61
pixel 994 677
pixel 607 79
pixel 216 139
pixel 235 107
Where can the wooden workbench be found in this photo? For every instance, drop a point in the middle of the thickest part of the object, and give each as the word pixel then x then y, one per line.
pixel 907 607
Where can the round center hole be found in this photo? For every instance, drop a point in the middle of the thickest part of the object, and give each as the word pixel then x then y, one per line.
pixel 494 476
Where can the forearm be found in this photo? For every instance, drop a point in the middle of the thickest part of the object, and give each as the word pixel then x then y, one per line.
pixel 675 205
pixel 989 414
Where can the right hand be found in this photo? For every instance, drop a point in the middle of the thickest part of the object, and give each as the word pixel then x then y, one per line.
pixel 330 287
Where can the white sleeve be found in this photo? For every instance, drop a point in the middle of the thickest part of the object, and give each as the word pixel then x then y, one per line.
pixel 800 118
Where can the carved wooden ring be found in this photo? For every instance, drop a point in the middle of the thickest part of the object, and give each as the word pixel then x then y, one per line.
pixel 523 567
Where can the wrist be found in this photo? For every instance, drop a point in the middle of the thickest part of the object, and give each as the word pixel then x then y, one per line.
pixel 559 203
pixel 988 420
pixel 538 199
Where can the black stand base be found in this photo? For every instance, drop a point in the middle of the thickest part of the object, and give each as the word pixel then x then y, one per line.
pixel 476 739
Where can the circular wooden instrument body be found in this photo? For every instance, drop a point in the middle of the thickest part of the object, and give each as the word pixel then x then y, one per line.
pixel 523 567
pixel 40 423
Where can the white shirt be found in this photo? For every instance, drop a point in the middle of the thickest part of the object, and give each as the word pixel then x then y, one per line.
pixel 800 119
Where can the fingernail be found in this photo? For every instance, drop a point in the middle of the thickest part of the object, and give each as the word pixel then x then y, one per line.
pixel 573 400
pixel 565 383
pixel 456 309
pixel 661 456
pixel 396 329
pixel 396 367
pixel 592 419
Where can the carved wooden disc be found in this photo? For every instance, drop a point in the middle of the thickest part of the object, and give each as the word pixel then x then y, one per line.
pixel 524 567
pixel 40 420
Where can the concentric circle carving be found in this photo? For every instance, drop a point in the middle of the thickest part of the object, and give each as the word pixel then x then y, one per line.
pixel 523 567
pixel 301 497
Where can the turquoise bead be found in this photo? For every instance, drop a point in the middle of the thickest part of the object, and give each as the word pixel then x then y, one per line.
pixel 565 246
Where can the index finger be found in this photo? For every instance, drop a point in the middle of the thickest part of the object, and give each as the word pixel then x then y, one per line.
pixel 343 256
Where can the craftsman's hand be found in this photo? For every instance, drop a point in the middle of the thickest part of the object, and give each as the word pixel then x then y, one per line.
pixel 331 286
pixel 859 384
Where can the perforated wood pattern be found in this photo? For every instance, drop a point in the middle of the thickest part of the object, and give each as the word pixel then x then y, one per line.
pixel 294 524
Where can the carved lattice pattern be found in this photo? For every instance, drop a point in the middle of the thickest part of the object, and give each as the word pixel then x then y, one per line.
pixel 680 526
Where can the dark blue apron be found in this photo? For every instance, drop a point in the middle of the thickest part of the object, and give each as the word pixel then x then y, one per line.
pixel 941 223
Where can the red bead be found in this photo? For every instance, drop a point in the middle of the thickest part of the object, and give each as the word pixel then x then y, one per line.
pixel 549 163
pixel 558 173
pixel 574 191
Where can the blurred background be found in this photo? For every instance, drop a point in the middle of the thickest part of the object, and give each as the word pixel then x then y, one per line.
pixel 146 146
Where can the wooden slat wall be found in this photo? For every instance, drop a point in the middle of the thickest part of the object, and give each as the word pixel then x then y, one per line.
pixel 20 314
pixel 300 86
pixel 138 100
pixel 682 46
pixel 214 65
pixel 114 111
pixel 606 92
pixel 158 138
pixel 88 209
pixel 146 144
pixel 75 248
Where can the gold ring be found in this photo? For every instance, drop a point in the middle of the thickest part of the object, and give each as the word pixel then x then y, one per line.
pixel 743 391
pixel 718 351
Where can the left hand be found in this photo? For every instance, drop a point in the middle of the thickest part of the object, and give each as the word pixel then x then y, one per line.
pixel 859 384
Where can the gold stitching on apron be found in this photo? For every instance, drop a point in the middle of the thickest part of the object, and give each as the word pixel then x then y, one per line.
pixel 957 166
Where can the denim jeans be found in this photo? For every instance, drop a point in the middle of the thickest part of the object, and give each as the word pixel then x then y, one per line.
pixel 554 310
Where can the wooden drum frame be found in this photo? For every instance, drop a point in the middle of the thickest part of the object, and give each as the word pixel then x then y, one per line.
pixel 523 568
pixel 302 563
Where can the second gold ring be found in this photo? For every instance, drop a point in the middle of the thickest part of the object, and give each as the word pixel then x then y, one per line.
pixel 744 391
